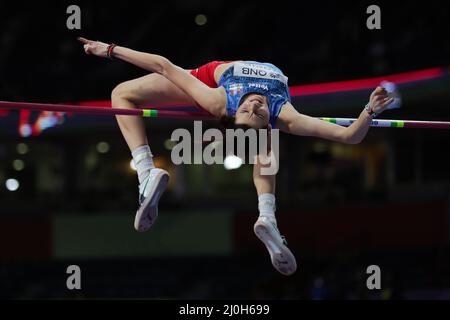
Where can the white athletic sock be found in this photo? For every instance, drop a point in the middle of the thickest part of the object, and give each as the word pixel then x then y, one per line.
pixel 267 207
pixel 143 160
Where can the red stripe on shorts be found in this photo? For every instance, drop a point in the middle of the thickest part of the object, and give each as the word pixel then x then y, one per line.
pixel 205 73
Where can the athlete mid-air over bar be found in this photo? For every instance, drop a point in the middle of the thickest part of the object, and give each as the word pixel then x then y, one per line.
pixel 244 92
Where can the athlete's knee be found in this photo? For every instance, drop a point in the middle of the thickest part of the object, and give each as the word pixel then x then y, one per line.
pixel 120 93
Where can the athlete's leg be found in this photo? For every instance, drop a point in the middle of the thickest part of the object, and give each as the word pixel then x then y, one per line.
pixel 265 227
pixel 150 89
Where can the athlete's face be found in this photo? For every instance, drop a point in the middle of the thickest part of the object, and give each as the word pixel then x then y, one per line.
pixel 254 111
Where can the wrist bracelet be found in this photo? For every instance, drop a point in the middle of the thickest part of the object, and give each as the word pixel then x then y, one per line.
pixel 369 110
pixel 110 50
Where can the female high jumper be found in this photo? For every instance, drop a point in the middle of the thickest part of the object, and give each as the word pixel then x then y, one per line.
pixel 251 93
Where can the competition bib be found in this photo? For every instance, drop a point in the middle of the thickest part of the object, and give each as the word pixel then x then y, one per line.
pixel 258 71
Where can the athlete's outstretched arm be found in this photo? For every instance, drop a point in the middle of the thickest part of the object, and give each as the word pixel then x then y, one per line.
pixel 293 122
pixel 212 100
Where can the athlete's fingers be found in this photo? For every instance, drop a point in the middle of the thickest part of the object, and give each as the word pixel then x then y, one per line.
pixel 378 98
pixel 381 94
pixel 84 40
pixel 87 49
pixel 380 91
pixel 376 92
pixel 387 101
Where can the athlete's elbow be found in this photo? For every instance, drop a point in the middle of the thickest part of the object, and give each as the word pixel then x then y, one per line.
pixel 351 138
pixel 163 66
pixel 355 141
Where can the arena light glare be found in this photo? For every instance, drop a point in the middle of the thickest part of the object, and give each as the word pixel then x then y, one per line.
pixel 232 162
pixel 22 148
pixel 102 147
pixel 25 130
pixel 132 165
pixel 12 184
pixel 201 19
pixel 319 147
pixel 18 165
pixel 169 144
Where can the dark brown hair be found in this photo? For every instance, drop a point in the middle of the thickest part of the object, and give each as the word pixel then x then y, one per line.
pixel 228 122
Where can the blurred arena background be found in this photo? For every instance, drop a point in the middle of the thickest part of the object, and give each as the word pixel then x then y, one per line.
pixel 68 194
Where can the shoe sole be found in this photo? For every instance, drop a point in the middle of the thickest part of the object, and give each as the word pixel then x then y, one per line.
pixel 148 211
pixel 282 258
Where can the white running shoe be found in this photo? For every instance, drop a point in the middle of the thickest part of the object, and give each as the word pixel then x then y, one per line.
pixel 154 186
pixel 282 258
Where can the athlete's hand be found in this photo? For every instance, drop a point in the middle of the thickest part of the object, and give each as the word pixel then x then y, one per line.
pixel 379 99
pixel 97 48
